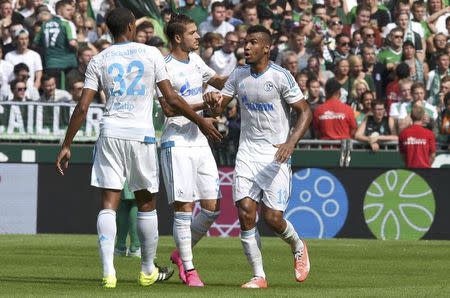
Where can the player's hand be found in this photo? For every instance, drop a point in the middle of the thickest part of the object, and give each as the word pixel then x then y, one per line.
pixel 62 160
pixel 283 153
pixel 208 129
pixel 212 99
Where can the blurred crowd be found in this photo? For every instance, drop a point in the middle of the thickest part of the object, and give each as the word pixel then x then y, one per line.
pixel 387 55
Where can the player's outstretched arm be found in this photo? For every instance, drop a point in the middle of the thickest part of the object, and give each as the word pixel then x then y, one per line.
pixel 216 102
pixel 170 112
pixel 301 126
pixel 217 81
pixel 177 103
pixel 77 119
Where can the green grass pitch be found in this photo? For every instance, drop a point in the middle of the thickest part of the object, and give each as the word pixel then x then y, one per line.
pixel 68 265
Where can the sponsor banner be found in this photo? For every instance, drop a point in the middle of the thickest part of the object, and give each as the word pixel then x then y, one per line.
pixel 49 121
pixel 341 203
pixel 18 198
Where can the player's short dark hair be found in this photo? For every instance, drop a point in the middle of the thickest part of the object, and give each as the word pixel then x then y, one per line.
pixel 332 86
pixel 260 29
pixel 177 25
pixel 118 20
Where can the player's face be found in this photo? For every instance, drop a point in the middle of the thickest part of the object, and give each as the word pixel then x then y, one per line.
pixel 255 48
pixel 191 39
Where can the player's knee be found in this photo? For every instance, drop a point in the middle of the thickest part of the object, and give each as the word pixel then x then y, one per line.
pixel 273 220
pixel 247 216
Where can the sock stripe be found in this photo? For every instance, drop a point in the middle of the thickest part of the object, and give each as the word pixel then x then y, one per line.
pixel 210 214
pixel 148 214
pixel 249 233
pixel 183 215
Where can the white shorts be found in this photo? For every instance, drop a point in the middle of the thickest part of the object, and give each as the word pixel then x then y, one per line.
pixel 190 174
pixel 269 182
pixel 117 160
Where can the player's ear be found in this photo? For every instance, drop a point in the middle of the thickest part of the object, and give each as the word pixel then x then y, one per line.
pixel 177 38
pixel 267 49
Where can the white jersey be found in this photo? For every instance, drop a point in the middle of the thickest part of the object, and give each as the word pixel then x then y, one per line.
pixel 187 78
pixel 264 100
pixel 127 73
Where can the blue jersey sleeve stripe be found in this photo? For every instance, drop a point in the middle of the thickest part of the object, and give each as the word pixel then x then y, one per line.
pixel 286 73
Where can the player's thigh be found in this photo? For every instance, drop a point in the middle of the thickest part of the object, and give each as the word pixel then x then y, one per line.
pixel 108 168
pixel 207 178
pixel 244 182
pixel 276 184
pixel 178 173
pixel 142 169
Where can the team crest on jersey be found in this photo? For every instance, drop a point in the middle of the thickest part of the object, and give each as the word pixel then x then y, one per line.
pixel 268 86
pixel 179 193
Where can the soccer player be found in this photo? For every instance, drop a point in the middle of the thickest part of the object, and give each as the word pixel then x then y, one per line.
pixel 127 72
pixel 189 169
pixel 266 93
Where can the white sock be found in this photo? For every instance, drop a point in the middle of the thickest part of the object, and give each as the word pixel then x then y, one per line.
pixel 252 251
pixel 290 236
pixel 201 224
pixel 147 228
pixel 107 229
pixel 182 236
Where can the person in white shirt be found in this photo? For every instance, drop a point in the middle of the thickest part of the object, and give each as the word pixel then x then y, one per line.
pixel 189 169
pixel 6 74
pixel 51 93
pixel 223 61
pixel 266 93
pixel 128 73
pixel 23 54
pixel 217 23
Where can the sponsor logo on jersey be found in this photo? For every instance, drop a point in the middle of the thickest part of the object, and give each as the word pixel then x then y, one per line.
pixel 330 115
pixel 186 90
pixel 268 86
pixel 256 106
pixel 415 141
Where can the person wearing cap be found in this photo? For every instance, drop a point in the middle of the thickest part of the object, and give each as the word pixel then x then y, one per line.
pixel 22 54
pixel 334 120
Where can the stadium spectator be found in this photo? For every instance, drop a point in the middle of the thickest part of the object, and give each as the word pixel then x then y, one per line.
pixel 419 16
pixel 362 19
pixel 405 97
pixel 290 62
pixel 6 73
pixel 416 38
pixel 297 42
pixel 141 36
pixel 76 88
pixel 18 89
pixel 101 44
pixel 342 75
pixel 418 94
pixel 376 127
pixel 148 28
pixel 84 56
pixel 196 11
pixel 356 72
pixel 7 35
pixel 418 70
pixel 23 54
pixel 375 69
pixel 302 79
pixel 444 123
pixel 22 73
pixel 393 88
pixel 250 13
pixel 30 6
pixel 435 76
pixel 368 35
pixel 416 143
pixel 438 14
pixel 50 92
pixel 230 8
pixel 7 15
pixel 57 38
pixel 334 120
pixel 210 42
pixel 439 45
pixel 362 104
pixel 217 23
pixel 392 54
pixel 223 61
pixel 342 50
pixel 41 14
pixel 334 8
pixel 438 100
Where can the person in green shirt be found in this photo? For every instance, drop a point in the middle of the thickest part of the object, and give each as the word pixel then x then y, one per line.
pixel 392 55
pixel 57 38
pixel 197 12
pixel 126 224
